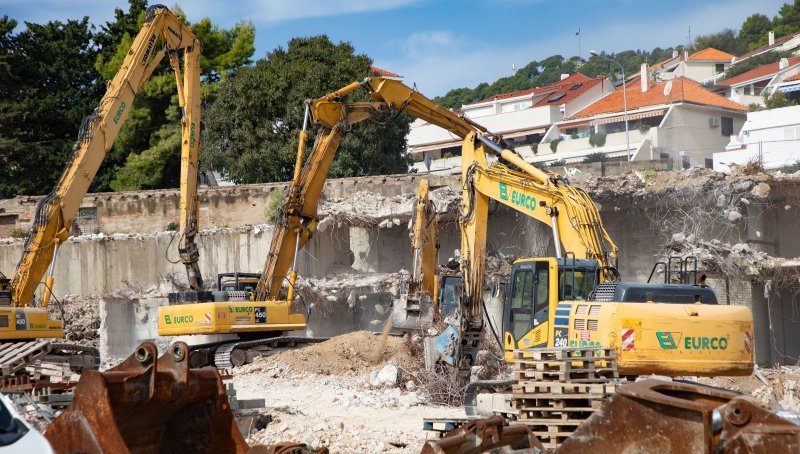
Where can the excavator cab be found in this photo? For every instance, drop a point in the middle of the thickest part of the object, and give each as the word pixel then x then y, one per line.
pixel 449 294
pixel 556 302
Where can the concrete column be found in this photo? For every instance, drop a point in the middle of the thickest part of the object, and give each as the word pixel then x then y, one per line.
pixel 762 335
pixel 761 224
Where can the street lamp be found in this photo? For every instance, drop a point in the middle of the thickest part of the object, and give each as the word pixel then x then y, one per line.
pixel 624 98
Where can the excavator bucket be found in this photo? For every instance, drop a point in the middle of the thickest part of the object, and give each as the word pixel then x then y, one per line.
pixel 412 313
pixel 659 416
pixel 149 404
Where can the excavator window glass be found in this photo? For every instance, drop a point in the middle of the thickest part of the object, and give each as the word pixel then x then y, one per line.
pixel 575 284
pixel 522 303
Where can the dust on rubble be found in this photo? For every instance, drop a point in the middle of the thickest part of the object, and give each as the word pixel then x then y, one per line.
pixel 346 354
pixel 775 388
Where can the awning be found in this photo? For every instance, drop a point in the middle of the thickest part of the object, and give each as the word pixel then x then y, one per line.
pixel 631 117
pixel 789 88
pixel 577 124
pixel 525 132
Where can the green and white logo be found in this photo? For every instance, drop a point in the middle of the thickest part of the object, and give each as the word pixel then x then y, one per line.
pixel 503 191
pixel 666 341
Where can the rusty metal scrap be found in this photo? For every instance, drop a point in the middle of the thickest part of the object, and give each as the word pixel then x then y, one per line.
pixel 662 416
pixel 149 404
pixel 483 435
pixel 287 448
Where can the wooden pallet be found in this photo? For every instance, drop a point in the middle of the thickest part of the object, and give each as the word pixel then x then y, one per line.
pixel 559 388
pixel 15 356
pixel 573 365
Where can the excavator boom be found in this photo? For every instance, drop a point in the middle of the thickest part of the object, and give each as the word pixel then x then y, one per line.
pixel 55 212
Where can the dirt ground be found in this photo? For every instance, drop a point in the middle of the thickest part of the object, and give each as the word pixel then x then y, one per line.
pixel 330 394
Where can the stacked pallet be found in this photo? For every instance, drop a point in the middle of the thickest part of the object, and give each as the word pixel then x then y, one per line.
pixel 49 371
pixel 559 388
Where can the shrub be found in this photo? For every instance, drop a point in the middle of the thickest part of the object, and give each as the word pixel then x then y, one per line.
pixel 19 233
pixel 559 163
pixel 172 226
pixel 554 145
pixel 595 157
pixel 535 147
pixel 274 204
pixel 597 139
pixel 791 168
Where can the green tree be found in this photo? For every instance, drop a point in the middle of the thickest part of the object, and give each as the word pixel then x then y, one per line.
pixel 48 86
pixel 146 154
pixel 252 127
pixel 754 31
pixel 787 21
pixel 726 41
pixel 754 62
pixel 776 101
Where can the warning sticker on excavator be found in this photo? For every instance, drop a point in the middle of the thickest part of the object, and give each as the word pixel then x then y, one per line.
pixel 632 323
pixel 628 339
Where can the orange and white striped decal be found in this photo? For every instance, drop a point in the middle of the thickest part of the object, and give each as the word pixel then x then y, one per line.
pixel 748 341
pixel 627 339
pixel 208 318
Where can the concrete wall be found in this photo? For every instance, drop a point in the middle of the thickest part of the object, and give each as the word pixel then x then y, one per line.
pixel 105 264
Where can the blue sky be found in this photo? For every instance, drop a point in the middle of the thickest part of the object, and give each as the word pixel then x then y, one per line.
pixel 444 44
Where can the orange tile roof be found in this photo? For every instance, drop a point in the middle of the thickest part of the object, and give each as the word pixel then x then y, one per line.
pixel 793 78
pixel 683 90
pixel 571 80
pixel 383 72
pixel 761 72
pixel 567 90
pixel 710 53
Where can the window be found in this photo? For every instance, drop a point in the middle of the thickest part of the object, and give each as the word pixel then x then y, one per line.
pixel 556 97
pixel 576 86
pixel 575 284
pixel 522 303
pixel 542 286
pixel 709 163
pixel 727 126
pixel 719 67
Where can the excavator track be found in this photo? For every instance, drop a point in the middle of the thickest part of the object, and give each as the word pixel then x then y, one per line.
pixel 226 354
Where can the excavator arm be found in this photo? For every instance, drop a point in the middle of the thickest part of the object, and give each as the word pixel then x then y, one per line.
pixel 55 212
pixel 297 220
pixel 418 299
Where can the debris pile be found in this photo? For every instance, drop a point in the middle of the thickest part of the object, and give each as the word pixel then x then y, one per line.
pixel 730 259
pixel 368 208
pixel 347 354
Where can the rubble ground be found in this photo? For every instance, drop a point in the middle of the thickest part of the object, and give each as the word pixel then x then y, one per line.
pixel 337 394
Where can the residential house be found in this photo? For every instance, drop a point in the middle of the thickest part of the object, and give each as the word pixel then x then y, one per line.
pixel 751 86
pixel 769 136
pixel 783 44
pixel 702 66
pixel 521 118
pixel 678 119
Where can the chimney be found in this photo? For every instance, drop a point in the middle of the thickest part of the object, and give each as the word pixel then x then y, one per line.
pixel 564 76
pixel 685 54
pixel 674 54
pixel 771 38
pixel 643 76
pixel 784 62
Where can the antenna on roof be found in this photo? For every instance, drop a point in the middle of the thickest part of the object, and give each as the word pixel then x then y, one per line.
pixel 513 69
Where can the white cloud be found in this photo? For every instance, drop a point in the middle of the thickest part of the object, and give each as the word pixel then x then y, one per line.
pixel 422 44
pixel 284 10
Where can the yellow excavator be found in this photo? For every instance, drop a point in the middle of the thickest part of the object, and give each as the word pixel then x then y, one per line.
pixel 575 298
pixel 56 211
pixel 430 291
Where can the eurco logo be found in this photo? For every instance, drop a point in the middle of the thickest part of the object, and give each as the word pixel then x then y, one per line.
pixel 667 342
pixel 518 198
pixel 503 191
pixel 178 320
